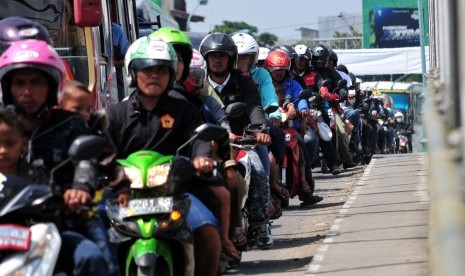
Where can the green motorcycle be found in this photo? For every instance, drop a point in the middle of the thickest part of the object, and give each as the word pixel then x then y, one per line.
pixel 153 223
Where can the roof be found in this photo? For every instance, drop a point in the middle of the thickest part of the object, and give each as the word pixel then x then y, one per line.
pixel 386 61
pixel 394 87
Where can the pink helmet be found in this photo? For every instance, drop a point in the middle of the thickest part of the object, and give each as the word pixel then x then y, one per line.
pixel 197 73
pixel 197 60
pixel 35 54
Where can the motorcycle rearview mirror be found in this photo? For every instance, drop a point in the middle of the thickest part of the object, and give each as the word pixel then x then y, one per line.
pixel 305 94
pixel 270 109
pixel 235 110
pixel 205 132
pixel 325 83
pixel 342 83
pixel 85 147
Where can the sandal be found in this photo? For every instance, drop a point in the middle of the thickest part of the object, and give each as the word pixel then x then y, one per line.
pixel 230 251
pixel 239 239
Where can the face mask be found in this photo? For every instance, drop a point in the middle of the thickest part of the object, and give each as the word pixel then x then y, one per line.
pixel 352 101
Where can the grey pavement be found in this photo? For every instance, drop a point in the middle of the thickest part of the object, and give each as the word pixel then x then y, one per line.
pixel 382 229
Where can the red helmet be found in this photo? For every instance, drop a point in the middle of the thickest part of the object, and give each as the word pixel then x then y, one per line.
pixel 277 60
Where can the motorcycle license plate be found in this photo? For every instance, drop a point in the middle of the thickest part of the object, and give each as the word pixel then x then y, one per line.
pixel 146 206
pixel 14 237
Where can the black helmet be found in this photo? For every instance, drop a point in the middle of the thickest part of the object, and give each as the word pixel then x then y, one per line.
pixel 289 50
pixel 333 56
pixel 16 28
pixel 320 55
pixel 219 42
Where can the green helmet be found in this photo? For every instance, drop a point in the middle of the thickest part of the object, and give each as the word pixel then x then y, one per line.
pixel 180 41
pixel 148 51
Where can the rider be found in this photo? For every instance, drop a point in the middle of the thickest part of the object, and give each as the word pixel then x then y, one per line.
pixel 278 63
pixel 248 51
pixel 404 128
pixel 16 28
pixel 229 85
pixel 303 68
pixel 31 74
pixel 158 118
pixel 332 63
pixel 337 92
pixel 183 47
pixel 292 54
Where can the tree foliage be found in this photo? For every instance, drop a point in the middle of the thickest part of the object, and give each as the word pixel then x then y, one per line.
pixel 230 28
pixel 266 39
pixel 354 41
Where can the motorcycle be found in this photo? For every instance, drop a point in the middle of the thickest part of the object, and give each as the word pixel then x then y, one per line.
pixel 403 143
pixel 154 221
pixel 289 177
pixel 30 217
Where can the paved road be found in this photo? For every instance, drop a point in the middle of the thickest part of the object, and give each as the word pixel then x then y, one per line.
pixel 373 221
pixel 299 232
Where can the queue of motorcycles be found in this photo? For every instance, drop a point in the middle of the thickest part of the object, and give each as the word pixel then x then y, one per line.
pixel 153 223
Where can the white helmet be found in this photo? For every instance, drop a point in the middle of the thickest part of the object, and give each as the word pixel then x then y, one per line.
pixel 246 45
pixel 399 116
pixel 302 51
pixel 263 53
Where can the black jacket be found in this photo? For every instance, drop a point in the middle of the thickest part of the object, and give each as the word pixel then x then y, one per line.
pixel 48 147
pixel 170 124
pixel 240 88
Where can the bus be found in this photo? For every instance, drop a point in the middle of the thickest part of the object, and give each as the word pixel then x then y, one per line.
pixel 80 31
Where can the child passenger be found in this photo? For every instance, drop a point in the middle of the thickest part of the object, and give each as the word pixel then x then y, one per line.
pixel 12 141
pixel 76 97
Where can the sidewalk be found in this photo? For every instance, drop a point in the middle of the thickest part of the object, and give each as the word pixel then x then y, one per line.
pixel 382 229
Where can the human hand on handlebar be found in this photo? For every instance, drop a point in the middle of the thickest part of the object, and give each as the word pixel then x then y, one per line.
pixel 291 111
pixel 203 164
pixel 75 198
pixel 263 138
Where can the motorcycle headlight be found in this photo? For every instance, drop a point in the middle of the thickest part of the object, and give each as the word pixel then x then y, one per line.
pixel 135 177
pixel 158 175
pixel 42 255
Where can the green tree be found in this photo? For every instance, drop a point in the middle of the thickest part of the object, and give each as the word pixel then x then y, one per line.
pixel 230 28
pixel 354 43
pixel 263 39
pixel 266 39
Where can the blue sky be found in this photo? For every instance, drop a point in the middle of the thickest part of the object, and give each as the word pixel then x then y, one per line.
pixel 274 16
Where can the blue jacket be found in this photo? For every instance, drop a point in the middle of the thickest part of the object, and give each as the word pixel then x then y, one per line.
pixel 292 90
pixel 266 89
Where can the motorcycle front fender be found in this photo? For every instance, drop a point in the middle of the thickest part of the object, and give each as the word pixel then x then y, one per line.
pixel 146 252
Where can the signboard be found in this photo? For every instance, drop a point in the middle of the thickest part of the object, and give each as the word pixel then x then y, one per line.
pixel 395 27
pixel 393 23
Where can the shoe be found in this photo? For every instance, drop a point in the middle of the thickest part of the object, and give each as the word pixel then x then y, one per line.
pixel 311 200
pixel 335 170
pixel 264 238
pixel 348 165
pixel 252 231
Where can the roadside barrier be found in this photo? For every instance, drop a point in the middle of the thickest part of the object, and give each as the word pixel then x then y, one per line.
pixel 447 190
